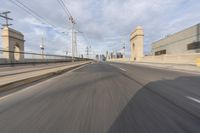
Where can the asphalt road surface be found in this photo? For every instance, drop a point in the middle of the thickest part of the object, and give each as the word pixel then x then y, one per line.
pixel 106 98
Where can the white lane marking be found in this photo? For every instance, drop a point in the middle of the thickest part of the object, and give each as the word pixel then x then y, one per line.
pixel 193 99
pixel 30 87
pixel 122 69
pixel 119 67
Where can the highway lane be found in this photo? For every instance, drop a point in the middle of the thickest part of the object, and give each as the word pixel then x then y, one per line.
pixel 106 98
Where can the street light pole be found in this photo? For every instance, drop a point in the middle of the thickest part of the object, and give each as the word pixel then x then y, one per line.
pixel 42 47
pixel 73 37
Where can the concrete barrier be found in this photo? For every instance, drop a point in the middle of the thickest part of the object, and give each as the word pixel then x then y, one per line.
pixel 190 59
pixel 13 82
pixel 173 59
pixel 120 60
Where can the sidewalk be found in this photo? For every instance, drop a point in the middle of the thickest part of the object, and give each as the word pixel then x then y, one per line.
pixel 11 81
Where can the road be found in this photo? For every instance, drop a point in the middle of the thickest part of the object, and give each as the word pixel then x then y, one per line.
pixel 106 98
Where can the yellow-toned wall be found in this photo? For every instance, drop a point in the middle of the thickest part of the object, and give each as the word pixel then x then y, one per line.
pixel 173 59
pixel 192 59
pixel 198 62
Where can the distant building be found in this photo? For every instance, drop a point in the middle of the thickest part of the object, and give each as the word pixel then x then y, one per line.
pixel 112 55
pixel 97 57
pixel 183 42
pixel 102 58
pixel 119 55
pixel 107 55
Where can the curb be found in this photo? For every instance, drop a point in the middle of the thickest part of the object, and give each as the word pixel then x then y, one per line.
pixel 12 85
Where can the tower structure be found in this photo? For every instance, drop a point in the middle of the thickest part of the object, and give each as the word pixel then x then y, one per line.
pixel 137 44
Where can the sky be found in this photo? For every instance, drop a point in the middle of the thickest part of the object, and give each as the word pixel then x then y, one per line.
pixel 105 25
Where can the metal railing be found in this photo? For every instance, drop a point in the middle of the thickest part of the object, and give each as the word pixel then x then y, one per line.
pixel 13 57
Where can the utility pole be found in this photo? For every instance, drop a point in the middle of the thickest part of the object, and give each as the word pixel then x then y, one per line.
pixel 88 51
pixel 66 52
pixel 42 47
pixel 5 16
pixel 73 37
pixel 75 44
pixel 124 47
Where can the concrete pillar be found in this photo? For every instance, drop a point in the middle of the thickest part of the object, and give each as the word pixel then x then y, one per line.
pixel 13 42
pixel 137 44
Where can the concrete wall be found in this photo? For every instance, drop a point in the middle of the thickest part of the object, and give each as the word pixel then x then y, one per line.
pixel 192 59
pixel 4 61
pixel 128 60
pixel 173 59
pixel 178 42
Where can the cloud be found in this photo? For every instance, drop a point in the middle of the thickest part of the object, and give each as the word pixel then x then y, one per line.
pixel 107 23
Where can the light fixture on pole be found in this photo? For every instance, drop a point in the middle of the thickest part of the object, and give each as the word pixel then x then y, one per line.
pixel 42 47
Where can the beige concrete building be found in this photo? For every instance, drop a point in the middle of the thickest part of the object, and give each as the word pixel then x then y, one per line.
pixel 180 48
pixel 13 43
pixel 184 42
pixel 137 44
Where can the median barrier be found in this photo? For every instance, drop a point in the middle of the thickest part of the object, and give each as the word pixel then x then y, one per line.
pixel 11 82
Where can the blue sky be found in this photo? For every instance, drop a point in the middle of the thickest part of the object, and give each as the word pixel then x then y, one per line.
pixel 106 23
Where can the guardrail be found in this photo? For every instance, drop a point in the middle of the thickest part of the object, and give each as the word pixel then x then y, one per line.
pixel 13 57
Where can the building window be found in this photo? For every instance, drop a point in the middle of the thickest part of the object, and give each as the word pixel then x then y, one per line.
pixel 194 45
pixel 161 52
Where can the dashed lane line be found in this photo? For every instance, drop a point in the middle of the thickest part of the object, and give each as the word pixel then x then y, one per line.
pixel 193 99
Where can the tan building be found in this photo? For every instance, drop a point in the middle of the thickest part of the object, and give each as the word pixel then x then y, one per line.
pixel 183 42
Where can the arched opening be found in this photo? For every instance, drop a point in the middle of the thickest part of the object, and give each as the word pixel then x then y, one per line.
pixel 17 52
pixel 133 51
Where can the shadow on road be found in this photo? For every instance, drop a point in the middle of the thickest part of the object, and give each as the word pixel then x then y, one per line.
pixel 162 107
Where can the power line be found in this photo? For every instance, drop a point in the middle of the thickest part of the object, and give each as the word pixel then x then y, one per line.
pixel 74 43
pixel 32 13
pixel 43 20
pixel 66 10
pixel 62 4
